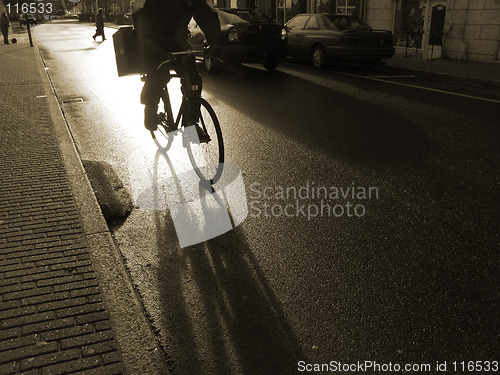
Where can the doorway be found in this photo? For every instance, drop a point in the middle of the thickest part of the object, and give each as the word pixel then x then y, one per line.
pixel 434 20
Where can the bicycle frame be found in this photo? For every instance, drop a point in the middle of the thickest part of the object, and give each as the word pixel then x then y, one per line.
pixel 171 124
pixel 205 146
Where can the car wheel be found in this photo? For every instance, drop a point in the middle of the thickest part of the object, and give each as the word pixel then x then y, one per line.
pixel 270 64
pixel 210 64
pixel 318 57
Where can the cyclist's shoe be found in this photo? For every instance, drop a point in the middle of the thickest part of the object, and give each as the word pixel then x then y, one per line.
pixel 202 134
pixel 151 119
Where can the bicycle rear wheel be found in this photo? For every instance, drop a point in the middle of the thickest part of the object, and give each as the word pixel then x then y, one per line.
pixel 207 156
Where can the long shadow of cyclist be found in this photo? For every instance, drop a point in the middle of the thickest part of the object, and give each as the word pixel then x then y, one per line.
pixel 219 314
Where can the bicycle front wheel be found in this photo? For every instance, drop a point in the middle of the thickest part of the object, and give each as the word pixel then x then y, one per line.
pixel 207 155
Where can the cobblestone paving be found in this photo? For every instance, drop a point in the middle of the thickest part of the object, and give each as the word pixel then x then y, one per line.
pixel 52 319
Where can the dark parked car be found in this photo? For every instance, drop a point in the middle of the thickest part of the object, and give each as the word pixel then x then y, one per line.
pixel 31 19
pixel 249 37
pixel 122 18
pixel 326 38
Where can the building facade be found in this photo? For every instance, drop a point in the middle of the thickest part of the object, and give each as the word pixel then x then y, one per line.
pixel 467 30
pixel 114 10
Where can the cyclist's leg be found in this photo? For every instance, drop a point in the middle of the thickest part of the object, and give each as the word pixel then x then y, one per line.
pixel 190 69
pixel 150 97
pixel 153 86
pixel 151 92
pixel 190 86
pixel 152 55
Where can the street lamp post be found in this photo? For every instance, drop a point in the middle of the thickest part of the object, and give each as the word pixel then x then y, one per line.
pixel 28 27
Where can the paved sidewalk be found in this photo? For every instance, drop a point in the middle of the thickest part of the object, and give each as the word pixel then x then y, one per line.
pixel 66 304
pixel 486 72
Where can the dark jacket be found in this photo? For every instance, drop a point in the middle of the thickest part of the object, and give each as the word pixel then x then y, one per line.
pixel 99 20
pixel 162 25
pixel 4 22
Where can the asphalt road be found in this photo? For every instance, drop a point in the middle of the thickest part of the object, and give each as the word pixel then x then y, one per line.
pixel 403 269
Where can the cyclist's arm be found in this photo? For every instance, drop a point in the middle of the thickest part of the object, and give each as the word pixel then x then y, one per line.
pixel 208 20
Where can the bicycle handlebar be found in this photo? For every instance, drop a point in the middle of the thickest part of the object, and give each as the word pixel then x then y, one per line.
pixel 177 55
pixel 180 54
pixel 189 52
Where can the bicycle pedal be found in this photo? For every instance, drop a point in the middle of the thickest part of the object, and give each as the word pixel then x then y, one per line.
pixel 200 140
pixel 162 117
pixel 203 136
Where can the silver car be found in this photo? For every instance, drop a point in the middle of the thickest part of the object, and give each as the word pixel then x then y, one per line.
pixel 328 38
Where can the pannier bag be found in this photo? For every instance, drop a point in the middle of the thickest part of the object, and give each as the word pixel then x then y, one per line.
pixel 129 60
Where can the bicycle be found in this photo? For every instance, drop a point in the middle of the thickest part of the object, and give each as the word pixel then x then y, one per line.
pixel 204 142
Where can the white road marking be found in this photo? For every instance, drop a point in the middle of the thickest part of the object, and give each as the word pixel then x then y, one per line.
pixel 374 78
pixel 391 76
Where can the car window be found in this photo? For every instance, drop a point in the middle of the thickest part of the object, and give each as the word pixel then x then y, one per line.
pixel 337 22
pixel 230 18
pixel 358 24
pixel 255 16
pixel 312 24
pixel 297 23
pixel 328 22
pixel 252 16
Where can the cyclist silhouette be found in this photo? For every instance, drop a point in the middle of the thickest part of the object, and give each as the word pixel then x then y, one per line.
pixel 162 27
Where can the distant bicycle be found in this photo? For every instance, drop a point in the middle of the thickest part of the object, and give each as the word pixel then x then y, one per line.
pixel 198 124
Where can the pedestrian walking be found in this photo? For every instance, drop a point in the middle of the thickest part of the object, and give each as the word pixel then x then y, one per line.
pixel 4 26
pixel 99 24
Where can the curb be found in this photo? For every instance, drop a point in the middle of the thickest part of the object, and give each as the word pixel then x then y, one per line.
pixel 469 78
pixel 462 78
pixel 140 350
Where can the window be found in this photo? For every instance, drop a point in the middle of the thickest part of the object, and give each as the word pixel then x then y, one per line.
pixel 346 23
pixel 241 16
pixel 328 22
pixel 348 7
pixel 312 24
pixel 297 23
pixel 115 8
